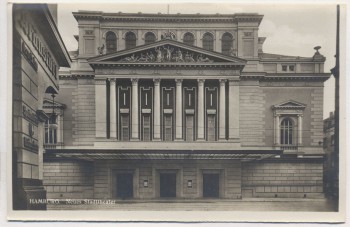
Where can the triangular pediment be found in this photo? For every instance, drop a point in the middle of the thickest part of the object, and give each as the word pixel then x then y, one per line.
pixel 290 104
pixel 167 52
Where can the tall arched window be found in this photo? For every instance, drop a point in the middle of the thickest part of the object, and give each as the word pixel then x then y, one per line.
pixel 130 40
pixel 208 41
pixel 287 131
pixel 226 43
pixel 150 38
pixel 189 38
pixel 111 42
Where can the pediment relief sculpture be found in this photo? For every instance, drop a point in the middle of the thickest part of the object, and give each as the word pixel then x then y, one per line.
pixel 168 54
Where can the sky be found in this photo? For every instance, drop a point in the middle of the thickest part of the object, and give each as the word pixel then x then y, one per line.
pixel 291 29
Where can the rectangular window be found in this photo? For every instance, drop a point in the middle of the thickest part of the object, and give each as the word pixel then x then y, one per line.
pixel 189 127
pixel 50 133
pixel 211 128
pixel 291 68
pixel 168 127
pixel 147 127
pixel 124 127
pixel 284 68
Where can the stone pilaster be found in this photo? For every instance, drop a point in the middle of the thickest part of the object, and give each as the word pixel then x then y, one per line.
pixel 135 111
pixel 200 116
pixel 112 109
pixel 178 129
pixel 156 103
pixel 101 106
pixel 233 132
pixel 222 110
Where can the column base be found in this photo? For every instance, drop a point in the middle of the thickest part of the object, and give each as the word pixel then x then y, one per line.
pixel 134 139
pixel 222 139
pixel 200 139
pixel 178 140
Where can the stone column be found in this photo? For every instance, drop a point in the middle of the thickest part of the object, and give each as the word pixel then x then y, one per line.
pixel 300 129
pixel 222 106
pixel 178 129
pixel 113 109
pixel 217 42
pixel 277 129
pixel 135 111
pixel 233 95
pixel 156 121
pixel 200 116
pixel 101 108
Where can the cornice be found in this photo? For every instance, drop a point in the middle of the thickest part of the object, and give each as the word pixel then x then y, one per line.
pixel 297 76
pixel 175 18
pixel 165 65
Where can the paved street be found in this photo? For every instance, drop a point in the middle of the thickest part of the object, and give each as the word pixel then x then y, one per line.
pixel 209 205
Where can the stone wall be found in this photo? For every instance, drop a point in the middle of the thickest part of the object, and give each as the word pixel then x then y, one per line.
pixel 68 179
pixel 79 118
pixel 230 172
pixel 295 180
pixel 252 114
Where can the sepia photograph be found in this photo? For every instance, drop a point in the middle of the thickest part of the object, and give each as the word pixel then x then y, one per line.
pixel 189 108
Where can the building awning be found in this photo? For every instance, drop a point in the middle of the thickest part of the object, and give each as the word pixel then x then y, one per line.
pixel 92 155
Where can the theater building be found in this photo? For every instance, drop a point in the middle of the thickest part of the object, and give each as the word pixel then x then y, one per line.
pixel 37 53
pixel 185 106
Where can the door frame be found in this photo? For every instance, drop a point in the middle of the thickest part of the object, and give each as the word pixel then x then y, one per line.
pixel 221 181
pixel 178 173
pixel 114 182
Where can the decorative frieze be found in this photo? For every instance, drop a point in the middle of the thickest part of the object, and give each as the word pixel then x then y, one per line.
pixel 168 54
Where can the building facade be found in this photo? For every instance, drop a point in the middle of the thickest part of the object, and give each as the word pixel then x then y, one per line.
pixel 186 107
pixel 331 179
pixel 38 53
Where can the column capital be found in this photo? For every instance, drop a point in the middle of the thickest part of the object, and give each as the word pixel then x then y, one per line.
pixel 178 82
pixel 134 81
pixel 233 82
pixel 100 81
pixel 300 115
pixel 201 81
pixel 222 82
pixel 277 115
pixel 156 81
pixel 112 81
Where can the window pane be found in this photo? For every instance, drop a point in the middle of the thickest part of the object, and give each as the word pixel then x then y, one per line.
pixel 208 41
pixel 125 127
pixel 46 135
pixel 286 132
pixel 111 41
pixel 189 128
pixel 189 39
pixel 211 128
pixel 147 128
pixel 150 38
pixel 130 40
pixel 168 128
pixel 226 43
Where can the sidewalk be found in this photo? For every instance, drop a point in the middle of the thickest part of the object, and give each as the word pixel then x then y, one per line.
pixel 255 204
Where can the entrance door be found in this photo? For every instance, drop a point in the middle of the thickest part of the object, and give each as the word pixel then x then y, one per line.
pixel 211 185
pixel 124 185
pixel 167 183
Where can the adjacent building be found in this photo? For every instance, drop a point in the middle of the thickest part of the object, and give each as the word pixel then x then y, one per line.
pixel 38 53
pixel 185 106
pixel 331 178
